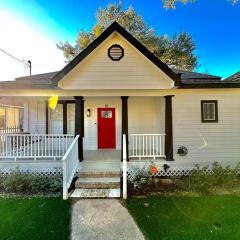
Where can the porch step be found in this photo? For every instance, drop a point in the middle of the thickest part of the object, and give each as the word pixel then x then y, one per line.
pixel 96 193
pixel 98 183
pixel 99 174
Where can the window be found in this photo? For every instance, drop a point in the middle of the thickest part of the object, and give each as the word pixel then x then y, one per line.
pixel 106 114
pixel 2 117
pixel 11 117
pixel 209 110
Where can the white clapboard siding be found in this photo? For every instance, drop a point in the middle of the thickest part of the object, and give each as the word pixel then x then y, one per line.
pixel 36 117
pixel 146 115
pixel 207 141
pixel 133 71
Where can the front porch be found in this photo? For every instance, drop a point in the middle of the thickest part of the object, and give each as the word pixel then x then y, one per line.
pixel 67 138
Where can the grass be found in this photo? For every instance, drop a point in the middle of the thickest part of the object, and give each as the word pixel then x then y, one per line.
pixel 198 218
pixel 34 218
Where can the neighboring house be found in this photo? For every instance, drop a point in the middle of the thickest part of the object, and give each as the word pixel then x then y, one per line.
pixel 114 88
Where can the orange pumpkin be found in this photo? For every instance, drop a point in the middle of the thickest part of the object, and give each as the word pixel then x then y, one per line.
pixel 153 170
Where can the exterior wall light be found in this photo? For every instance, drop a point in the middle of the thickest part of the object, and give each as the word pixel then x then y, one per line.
pixel 89 112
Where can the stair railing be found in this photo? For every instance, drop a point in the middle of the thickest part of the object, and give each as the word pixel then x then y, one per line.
pixel 124 166
pixel 70 164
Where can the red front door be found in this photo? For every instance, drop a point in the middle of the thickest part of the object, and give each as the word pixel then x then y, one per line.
pixel 106 128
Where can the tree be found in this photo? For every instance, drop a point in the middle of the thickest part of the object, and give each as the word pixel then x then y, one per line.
pixel 177 52
pixel 172 3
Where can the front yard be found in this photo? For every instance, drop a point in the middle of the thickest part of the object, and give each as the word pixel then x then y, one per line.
pixel 180 218
pixel 34 218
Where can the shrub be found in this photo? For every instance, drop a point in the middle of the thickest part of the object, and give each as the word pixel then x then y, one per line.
pixel 214 179
pixel 209 179
pixel 29 183
pixel 139 177
pixel 17 182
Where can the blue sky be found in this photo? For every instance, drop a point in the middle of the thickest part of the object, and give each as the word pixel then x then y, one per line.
pixel 213 24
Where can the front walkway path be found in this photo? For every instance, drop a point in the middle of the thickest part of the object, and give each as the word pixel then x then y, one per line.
pixel 102 219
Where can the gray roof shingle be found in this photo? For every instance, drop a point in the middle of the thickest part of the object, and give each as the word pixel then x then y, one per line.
pixel 233 78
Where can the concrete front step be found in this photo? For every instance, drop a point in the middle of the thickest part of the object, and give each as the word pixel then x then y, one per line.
pixel 97 183
pixel 96 193
pixel 99 174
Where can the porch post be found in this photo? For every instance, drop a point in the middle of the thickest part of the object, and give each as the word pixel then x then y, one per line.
pixel 79 124
pixel 47 116
pixel 64 117
pixel 168 128
pixel 124 122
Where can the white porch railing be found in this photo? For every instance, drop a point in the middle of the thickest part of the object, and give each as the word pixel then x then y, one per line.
pixel 147 146
pixel 11 130
pixel 36 146
pixel 124 168
pixel 70 164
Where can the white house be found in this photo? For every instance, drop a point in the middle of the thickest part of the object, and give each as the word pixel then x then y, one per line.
pixel 116 87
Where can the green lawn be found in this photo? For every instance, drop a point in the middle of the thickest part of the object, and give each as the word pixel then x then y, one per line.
pixel 200 218
pixel 34 219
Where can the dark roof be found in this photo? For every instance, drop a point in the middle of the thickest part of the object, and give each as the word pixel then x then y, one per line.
pixel 187 75
pixel 233 78
pixel 45 78
pixel 115 27
pixel 188 80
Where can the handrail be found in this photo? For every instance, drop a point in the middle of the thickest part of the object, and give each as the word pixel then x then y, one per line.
pixel 124 166
pixel 70 148
pixel 35 134
pixel 70 164
pixel 147 134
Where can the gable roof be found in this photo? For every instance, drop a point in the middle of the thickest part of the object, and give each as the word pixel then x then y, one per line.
pixel 115 27
pixel 233 78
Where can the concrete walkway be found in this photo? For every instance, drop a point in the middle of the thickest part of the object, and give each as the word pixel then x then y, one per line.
pixel 102 219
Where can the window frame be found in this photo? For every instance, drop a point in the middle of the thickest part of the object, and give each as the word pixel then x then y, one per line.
pixel 4 117
pixel 215 102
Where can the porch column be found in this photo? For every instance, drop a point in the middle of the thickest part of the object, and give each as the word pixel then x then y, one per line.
pixel 79 124
pixel 168 128
pixel 47 116
pixel 124 122
pixel 64 117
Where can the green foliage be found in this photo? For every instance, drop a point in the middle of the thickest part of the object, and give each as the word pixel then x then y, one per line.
pixel 221 179
pixel 209 180
pixel 172 3
pixel 140 177
pixel 176 51
pixel 28 183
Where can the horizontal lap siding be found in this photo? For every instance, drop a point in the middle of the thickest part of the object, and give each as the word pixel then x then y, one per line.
pixel 133 71
pixel 207 142
pixel 146 115
pixel 36 117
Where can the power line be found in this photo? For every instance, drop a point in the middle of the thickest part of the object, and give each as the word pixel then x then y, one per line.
pixel 10 55
pixel 28 65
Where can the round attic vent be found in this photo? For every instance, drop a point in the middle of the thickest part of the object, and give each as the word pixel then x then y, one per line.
pixel 116 52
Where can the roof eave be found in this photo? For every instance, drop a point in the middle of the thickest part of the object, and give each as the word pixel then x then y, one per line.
pixel 209 85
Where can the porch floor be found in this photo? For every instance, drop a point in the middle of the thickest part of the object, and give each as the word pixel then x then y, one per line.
pixel 101 160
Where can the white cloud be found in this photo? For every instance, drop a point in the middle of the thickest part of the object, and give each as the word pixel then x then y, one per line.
pixel 26 43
